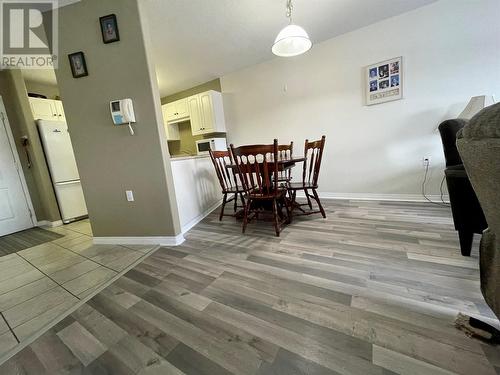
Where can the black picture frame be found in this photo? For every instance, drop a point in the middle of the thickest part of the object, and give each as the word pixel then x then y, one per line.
pixel 78 64
pixel 109 29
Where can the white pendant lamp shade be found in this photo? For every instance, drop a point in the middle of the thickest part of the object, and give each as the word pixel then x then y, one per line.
pixel 291 41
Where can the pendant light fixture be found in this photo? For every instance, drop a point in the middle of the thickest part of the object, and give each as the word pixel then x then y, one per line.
pixel 292 40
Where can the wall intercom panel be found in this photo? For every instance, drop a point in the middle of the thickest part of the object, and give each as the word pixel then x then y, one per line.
pixel 122 111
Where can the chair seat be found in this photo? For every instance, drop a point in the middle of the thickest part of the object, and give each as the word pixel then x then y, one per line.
pixel 284 179
pixel 301 186
pixel 255 195
pixel 235 189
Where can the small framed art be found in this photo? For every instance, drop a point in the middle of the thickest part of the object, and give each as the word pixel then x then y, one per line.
pixel 109 29
pixel 384 81
pixel 78 64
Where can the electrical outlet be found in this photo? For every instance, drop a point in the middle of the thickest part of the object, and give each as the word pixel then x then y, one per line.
pixel 426 161
pixel 130 195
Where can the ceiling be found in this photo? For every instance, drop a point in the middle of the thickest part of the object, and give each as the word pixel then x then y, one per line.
pixel 196 41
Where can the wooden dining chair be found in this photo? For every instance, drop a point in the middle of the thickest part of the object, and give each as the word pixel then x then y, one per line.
pixel 285 152
pixel 313 153
pixel 228 181
pixel 258 172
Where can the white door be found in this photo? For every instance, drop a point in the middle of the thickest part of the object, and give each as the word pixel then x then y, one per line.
pixel 14 210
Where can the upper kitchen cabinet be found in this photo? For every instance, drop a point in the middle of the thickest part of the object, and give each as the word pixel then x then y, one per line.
pixel 47 109
pixel 60 109
pixel 206 113
pixel 171 128
pixel 176 111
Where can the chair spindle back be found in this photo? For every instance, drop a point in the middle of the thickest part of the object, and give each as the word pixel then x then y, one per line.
pixel 313 152
pixel 285 152
pixel 256 166
pixel 227 176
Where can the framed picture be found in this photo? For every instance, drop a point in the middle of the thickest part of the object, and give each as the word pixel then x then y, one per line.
pixel 384 81
pixel 78 65
pixel 109 29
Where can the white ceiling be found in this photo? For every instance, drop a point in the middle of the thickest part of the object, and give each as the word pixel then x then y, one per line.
pixel 195 41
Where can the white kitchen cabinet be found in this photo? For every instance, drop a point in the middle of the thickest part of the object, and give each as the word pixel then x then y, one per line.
pixel 47 109
pixel 171 129
pixel 176 111
pixel 195 114
pixel 60 110
pixel 206 113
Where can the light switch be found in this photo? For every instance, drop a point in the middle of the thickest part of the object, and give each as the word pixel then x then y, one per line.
pixel 130 195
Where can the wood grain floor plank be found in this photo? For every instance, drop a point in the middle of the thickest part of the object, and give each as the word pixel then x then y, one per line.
pixel 223 353
pixel 148 334
pixel 405 365
pixel 82 343
pixel 215 327
pixel 372 289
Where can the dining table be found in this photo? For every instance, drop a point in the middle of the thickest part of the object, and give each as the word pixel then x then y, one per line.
pixel 284 163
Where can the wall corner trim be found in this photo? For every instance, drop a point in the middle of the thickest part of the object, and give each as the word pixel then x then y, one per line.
pixel 49 224
pixel 155 240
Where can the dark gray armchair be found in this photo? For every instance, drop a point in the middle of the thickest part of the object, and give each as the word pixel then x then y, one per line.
pixel 479 146
pixel 468 216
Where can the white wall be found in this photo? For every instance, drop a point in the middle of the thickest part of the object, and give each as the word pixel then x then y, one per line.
pixel 451 51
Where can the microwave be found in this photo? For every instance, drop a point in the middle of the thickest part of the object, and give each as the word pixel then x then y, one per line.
pixel 214 144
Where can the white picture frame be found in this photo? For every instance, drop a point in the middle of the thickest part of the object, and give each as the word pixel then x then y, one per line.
pixel 384 81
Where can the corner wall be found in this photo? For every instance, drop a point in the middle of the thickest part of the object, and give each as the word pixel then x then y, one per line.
pixel 109 159
pixel 21 120
pixel 450 53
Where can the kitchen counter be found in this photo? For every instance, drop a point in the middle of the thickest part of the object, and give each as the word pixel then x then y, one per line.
pixel 197 188
pixel 186 157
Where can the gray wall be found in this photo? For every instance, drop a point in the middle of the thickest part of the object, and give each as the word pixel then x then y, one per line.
pixel 109 159
pixel 13 91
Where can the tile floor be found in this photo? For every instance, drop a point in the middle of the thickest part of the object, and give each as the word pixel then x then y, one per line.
pixel 39 284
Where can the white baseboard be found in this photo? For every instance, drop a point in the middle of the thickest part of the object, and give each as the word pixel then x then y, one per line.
pixel 155 240
pixel 50 224
pixel 380 197
pixel 186 227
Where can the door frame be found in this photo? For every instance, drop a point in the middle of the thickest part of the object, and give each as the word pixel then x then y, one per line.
pixel 4 119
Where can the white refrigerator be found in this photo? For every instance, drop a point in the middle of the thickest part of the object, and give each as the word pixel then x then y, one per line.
pixel 63 170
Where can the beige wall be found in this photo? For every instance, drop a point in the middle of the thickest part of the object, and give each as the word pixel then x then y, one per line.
pixel 187 142
pixel 21 120
pixel 109 159
pixel 50 91
pixel 373 149
pixel 210 85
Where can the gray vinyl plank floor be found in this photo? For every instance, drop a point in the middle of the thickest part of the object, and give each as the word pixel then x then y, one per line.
pixel 372 289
